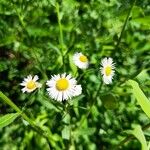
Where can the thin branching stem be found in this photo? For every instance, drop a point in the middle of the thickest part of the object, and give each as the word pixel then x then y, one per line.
pixel 92 104
pixel 31 49
pixel 25 117
pixel 61 38
pixel 124 25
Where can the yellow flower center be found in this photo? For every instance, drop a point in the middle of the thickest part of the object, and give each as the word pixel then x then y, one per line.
pixel 83 58
pixel 108 70
pixel 31 85
pixel 62 84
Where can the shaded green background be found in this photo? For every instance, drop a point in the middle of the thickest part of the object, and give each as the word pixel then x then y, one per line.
pixel 29 44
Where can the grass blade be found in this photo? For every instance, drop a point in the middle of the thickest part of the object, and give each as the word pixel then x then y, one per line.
pixel 140 96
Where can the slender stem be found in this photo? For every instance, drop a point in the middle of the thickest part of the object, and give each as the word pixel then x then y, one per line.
pixel 83 73
pixel 61 39
pixel 40 64
pixel 32 49
pixel 25 117
pixel 92 104
pixel 79 107
pixel 125 23
pixel 60 27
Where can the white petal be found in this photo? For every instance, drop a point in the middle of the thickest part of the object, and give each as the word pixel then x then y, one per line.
pixel 29 77
pixel 63 75
pixel 107 79
pixel 23 90
pixel 39 85
pixel 109 60
pixel 77 90
pixel 23 83
pixel 68 76
pixel 59 96
pixel 35 78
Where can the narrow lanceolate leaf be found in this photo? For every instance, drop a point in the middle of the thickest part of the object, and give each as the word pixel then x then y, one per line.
pixel 8 119
pixel 138 133
pixel 66 133
pixel 140 96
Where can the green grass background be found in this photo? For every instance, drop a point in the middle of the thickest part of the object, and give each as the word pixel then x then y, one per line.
pixel 31 42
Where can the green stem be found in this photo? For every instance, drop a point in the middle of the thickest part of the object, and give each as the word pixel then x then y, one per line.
pixel 25 117
pixel 32 49
pixel 92 104
pixel 60 27
pixel 61 39
pixel 125 23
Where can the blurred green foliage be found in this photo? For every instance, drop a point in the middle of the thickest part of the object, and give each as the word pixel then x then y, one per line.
pixel 30 44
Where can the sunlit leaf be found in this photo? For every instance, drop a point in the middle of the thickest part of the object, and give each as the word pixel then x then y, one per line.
pixel 85 131
pixel 72 65
pixel 66 133
pixel 138 133
pixel 140 96
pixel 8 119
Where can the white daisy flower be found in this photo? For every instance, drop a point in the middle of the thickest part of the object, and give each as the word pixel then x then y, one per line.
pixel 80 60
pixel 63 87
pixel 30 84
pixel 107 70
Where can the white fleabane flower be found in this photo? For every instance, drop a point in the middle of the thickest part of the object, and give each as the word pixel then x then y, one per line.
pixel 80 60
pixel 63 87
pixel 107 70
pixel 30 84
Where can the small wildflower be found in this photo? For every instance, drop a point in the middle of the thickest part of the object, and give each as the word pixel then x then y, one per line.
pixel 107 70
pixel 63 87
pixel 30 84
pixel 80 60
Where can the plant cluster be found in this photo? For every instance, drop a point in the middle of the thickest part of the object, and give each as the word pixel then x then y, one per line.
pixel 74 74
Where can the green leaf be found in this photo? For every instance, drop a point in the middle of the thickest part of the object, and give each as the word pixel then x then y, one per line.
pixel 143 75
pixel 66 133
pixel 8 119
pixel 37 31
pixel 7 40
pixel 145 21
pixel 137 12
pixel 109 101
pixel 141 98
pixel 85 131
pixel 138 133
pixel 68 6
pixel 53 2
pixel 66 119
pixel 72 65
pixel 47 104
pixel 3 66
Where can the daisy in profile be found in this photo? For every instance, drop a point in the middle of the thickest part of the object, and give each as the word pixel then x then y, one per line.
pixel 107 70
pixel 63 87
pixel 80 60
pixel 30 84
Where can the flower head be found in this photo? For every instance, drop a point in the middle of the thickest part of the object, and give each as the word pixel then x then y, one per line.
pixel 30 84
pixel 63 87
pixel 107 70
pixel 80 60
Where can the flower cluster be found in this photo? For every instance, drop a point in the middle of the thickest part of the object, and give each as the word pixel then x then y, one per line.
pixel 62 86
pixel 107 66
